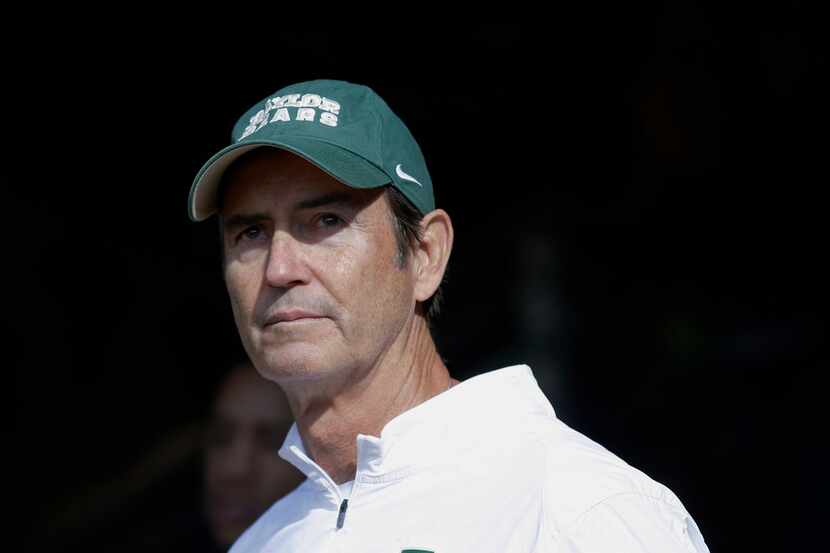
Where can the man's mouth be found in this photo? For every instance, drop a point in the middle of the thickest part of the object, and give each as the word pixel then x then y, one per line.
pixel 286 316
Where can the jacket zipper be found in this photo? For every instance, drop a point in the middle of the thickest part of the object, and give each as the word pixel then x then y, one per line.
pixel 341 516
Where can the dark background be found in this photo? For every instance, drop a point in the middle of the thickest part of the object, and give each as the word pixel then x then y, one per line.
pixel 638 211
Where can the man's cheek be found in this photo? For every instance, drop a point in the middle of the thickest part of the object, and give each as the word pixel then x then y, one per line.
pixel 241 312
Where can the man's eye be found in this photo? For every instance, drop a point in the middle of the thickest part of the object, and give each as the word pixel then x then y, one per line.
pixel 250 233
pixel 329 220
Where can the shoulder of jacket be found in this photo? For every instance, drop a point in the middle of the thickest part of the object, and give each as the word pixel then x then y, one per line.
pixel 581 474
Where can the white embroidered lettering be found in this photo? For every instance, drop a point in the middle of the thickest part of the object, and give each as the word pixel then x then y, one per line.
pixel 292 100
pixel 306 114
pixel 260 119
pixel 311 101
pixel 257 119
pixel 329 119
pixel 272 104
pixel 330 105
pixel 281 115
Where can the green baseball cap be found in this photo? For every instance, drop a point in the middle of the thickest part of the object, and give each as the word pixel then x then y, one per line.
pixel 345 129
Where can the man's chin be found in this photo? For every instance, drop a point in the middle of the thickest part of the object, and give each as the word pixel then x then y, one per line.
pixel 293 362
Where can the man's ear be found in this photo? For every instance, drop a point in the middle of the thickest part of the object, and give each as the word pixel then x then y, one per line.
pixel 433 253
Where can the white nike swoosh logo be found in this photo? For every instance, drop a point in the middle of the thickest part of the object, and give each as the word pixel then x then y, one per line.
pixel 404 176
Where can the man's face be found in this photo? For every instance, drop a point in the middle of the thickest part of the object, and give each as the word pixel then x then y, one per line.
pixel 310 266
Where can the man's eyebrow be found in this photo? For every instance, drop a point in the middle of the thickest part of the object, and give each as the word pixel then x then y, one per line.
pixel 243 220
pixel 334 198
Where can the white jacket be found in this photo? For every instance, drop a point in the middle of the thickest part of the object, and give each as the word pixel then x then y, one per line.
pixel 483 467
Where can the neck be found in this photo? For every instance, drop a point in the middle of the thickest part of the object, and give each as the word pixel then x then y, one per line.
pixel 363 400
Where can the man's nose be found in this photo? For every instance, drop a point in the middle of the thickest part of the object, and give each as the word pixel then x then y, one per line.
pixel 287 265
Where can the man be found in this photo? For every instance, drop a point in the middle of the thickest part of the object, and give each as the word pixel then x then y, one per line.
pixel 242 476
pixel 333 253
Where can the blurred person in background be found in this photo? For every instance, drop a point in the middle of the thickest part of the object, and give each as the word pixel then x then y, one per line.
pixel 243 475
pixel 196 488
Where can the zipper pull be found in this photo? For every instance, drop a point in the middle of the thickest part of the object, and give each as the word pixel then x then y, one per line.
pixel 341 516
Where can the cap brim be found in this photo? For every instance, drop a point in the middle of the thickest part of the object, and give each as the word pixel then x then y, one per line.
pixel 345 166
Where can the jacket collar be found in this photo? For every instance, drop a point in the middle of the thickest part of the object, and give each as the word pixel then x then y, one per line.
pixel 428 432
